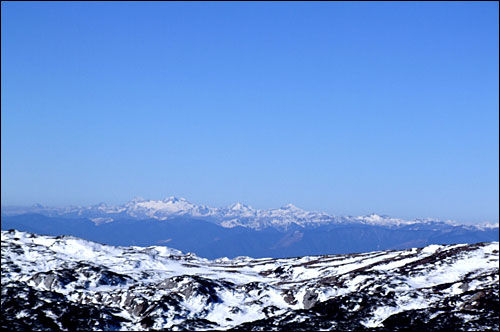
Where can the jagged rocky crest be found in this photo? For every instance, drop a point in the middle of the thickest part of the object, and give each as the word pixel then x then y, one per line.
pixel 66 283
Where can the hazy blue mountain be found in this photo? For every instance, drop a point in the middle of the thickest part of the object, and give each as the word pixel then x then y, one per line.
pixel 207 239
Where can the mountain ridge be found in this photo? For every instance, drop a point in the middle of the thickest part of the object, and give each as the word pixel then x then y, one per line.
pixel 66 283
pixel 210 240
pixel 236 214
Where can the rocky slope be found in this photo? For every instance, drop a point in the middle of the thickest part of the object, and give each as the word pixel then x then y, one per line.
pixel 66 283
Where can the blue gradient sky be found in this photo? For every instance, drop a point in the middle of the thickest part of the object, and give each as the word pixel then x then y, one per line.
pixel 348 108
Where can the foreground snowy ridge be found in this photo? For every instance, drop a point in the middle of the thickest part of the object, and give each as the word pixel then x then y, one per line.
pixel 237 214
pixel 66 283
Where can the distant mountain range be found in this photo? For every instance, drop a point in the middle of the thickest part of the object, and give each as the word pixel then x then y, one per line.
pixel 239 229
pixel 237 214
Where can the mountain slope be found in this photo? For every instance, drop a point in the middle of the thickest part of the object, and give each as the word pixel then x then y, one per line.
pixel 211 241
pixel 65 283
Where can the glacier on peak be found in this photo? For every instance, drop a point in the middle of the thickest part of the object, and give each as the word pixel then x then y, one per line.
pixel 290 206
pixel 240 207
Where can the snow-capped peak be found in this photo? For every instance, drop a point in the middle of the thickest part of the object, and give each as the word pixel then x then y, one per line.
pixel 160 209
pixel 239 207
pixel 101 205
pixel 174 199
pixel 290 206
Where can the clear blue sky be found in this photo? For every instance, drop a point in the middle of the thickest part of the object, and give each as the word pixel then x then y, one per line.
pixel 348 108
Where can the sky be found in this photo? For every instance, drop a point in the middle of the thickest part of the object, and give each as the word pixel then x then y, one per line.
pixel 348 108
